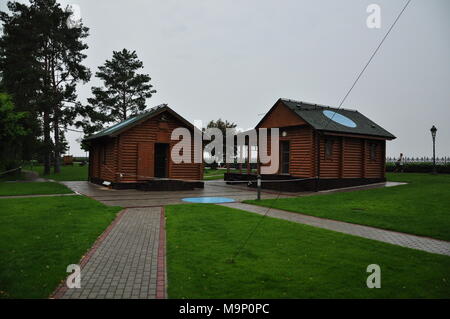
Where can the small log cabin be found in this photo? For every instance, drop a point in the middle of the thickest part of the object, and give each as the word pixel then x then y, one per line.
pixel 328 147
pixel 135 153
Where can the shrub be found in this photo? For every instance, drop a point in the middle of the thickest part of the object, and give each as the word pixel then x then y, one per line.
pixel 420 168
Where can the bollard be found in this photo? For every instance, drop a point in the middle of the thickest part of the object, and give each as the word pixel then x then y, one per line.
pixel 258 186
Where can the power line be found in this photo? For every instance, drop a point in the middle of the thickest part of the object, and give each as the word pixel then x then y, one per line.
pixel 238 251
pixel 370 60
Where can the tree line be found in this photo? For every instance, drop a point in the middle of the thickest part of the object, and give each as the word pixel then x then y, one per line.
pixel 42 55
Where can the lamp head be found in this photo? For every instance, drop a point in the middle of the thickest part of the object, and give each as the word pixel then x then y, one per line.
pixel 433 131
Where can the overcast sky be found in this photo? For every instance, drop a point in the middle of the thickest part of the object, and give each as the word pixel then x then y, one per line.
pixel 234 59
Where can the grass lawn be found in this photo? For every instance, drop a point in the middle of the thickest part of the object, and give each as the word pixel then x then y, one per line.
pixel 421 207
pixel 32 188
pixel 40 237
pixel 288 260
pixel 68 173
pixel 213 174
pixel 15 176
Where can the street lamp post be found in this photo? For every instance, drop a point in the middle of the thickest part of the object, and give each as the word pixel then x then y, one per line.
pixel 433 131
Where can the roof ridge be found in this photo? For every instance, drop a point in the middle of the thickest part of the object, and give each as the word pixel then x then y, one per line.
pixel 129 120
pixel 318 105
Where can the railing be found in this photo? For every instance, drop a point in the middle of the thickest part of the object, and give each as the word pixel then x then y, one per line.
pixel 439 160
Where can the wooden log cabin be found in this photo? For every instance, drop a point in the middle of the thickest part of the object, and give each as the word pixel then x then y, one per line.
pixel 136 154
pixel 325 146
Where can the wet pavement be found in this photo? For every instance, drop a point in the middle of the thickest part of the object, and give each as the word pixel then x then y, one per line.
pixel 126 261
pixel 137 198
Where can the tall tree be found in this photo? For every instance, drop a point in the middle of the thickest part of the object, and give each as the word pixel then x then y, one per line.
pixel 124 93
pixel 222 126
pixel 20 72
pixel 11 129
pixel 61 56
pixel 53 58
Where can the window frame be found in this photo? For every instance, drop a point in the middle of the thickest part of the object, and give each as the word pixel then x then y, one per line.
pixel 283 158
pixel 328 151
pixel 373 151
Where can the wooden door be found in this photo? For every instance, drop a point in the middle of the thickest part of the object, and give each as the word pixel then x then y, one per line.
pixel 285 157
pixel 161 160
pixel 145 161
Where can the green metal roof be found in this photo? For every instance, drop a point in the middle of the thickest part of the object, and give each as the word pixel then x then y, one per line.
pixel 325 118
pixel 115 129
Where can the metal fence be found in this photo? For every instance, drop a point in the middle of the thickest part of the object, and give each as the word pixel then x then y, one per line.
pixel 439 160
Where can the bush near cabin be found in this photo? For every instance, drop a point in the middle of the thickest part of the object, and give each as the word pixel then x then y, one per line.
pixel 420 168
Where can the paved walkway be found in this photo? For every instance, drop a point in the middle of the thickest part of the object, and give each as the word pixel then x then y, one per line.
pixel 33 176
pixel 127 261
pixel 41 195
pixel 137 198
pixel 401 239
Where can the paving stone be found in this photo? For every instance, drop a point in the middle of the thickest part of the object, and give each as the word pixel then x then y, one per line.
pixel 401 239
pixel 136 198
pixel 108 273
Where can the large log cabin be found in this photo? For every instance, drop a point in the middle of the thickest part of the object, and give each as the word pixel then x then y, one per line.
pixel 135 153
pixel 325 146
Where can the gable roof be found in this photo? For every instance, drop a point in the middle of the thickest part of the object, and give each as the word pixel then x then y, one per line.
pixel 118 128
pixel 335 120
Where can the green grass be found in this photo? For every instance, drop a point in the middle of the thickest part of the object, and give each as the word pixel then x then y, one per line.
pixel 214 174
pixel 288 260
pixel 40 237
pixel 32 188
pixel 421 207
pixel 68 173
pixel 15 176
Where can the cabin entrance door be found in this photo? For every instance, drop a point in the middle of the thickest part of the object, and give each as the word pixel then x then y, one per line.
pixel 161 160
pixel 284 157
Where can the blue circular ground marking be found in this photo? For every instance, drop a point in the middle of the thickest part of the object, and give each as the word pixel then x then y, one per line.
pixel 208 200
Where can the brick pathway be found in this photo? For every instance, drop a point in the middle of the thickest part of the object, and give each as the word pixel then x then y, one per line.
pixel 392 237
pixel 127 261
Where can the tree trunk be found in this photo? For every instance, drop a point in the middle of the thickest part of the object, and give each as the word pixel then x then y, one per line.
pixel 57 162
pixel 47 143
pixel 124 106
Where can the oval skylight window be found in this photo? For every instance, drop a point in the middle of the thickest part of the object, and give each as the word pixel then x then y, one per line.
pixel 339 118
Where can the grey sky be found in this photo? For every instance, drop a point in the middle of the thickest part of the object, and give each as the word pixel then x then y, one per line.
pixel 234 59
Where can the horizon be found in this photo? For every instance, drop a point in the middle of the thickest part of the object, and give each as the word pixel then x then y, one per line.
pixel 210 60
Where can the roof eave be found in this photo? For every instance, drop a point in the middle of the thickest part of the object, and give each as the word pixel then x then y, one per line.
pixel 337 133
pixel 143 119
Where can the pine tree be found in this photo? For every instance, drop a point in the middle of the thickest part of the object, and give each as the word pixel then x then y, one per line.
pixel 124 93
pixel 51 64
pixel 222 126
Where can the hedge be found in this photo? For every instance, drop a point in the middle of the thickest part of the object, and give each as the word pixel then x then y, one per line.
pixel 420 168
